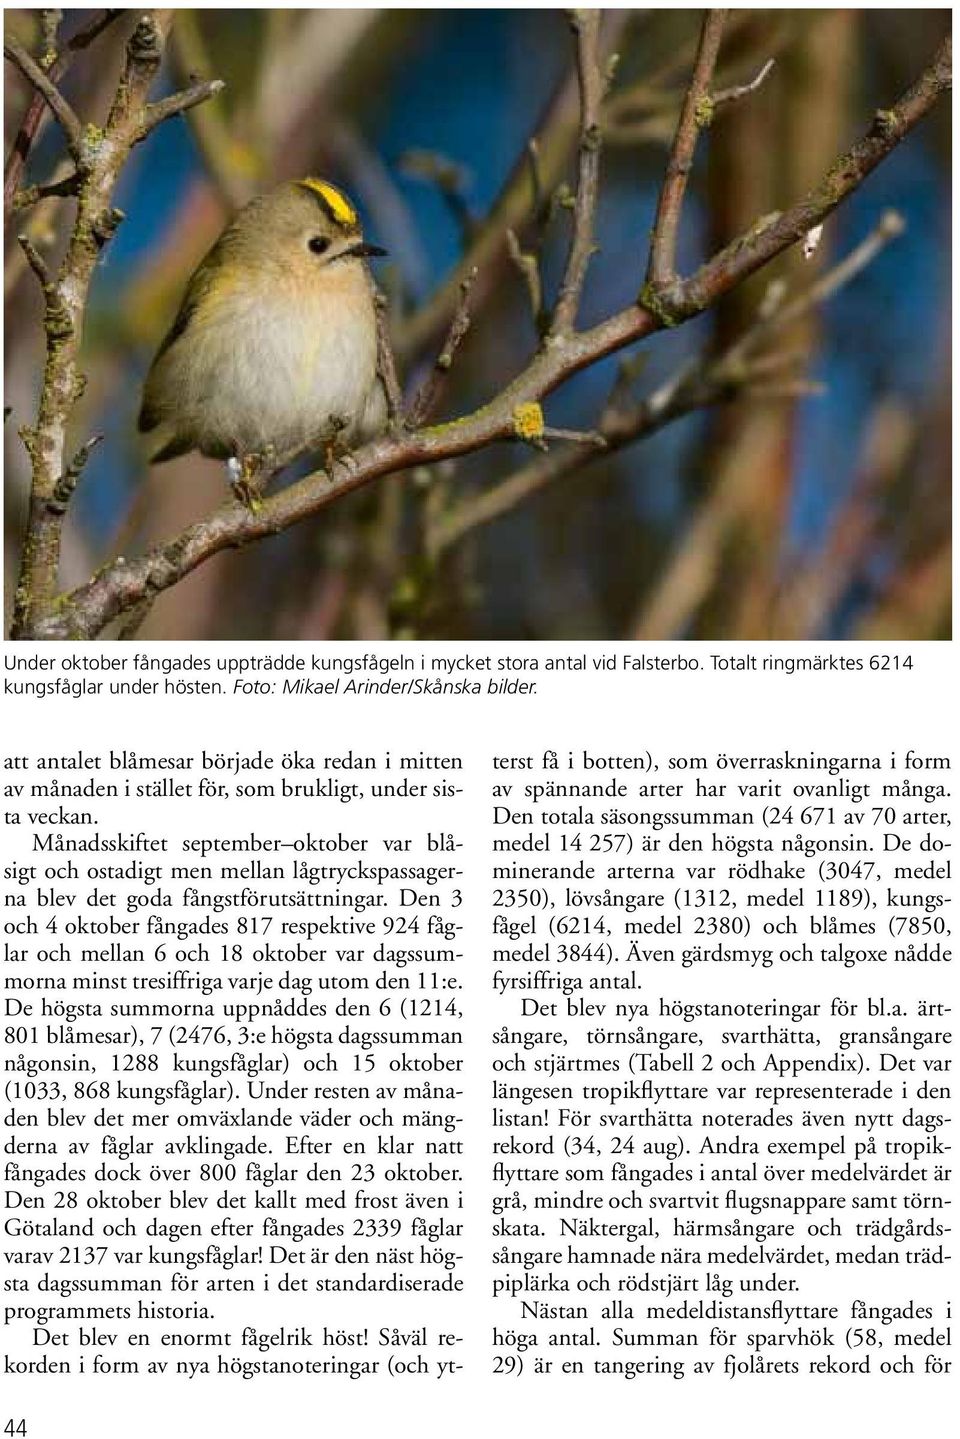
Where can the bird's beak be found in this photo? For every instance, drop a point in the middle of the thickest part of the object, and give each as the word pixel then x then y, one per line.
pixel 366 251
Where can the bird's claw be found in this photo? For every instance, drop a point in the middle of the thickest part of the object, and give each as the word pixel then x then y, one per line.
pixel 348 462
pixel 335 452
pixel 248 476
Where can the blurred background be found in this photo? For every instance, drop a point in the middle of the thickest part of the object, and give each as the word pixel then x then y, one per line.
pixel 805 510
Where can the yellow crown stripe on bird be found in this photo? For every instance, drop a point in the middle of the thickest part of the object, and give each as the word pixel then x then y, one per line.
pixel 336 202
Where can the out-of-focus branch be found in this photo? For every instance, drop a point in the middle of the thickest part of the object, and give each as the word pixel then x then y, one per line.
pixel 214 141
pixel 123 584
pixel 450 181
pixel 302 58
pixel 889 227
pixel 648 117
pixel 527 266
pixel 61 109
pixel 552 140
pixel 916 603
pixel 693 114
pixel 816 584
pixel 92 30
pixel 692 566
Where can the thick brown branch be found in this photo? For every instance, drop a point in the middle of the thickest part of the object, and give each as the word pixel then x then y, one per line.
pixel 61 109
pixel 666 228
pixel 123 584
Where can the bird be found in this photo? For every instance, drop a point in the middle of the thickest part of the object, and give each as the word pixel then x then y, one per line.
pixel 274 349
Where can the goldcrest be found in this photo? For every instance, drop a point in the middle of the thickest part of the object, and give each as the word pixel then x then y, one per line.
pixel 274 349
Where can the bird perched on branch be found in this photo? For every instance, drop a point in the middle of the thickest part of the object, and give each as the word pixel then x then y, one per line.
pixel 274 349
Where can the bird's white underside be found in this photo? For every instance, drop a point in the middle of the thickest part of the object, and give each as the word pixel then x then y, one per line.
pixel 294 370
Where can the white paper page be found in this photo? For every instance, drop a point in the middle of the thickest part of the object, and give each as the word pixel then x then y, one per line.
pixel 479 760
pixel 869 1219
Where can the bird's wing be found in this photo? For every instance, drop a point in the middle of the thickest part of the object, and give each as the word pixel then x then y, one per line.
pixel 153 408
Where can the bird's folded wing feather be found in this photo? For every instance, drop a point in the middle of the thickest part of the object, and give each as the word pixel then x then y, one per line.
pixel 153 409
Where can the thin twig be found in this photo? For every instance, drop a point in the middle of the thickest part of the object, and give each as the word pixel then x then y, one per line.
pixel 527 266
pixel 592 83
pixel 62 110
pixel 536 177
pixel 738 92
pixel 386 363
pixel 67 483
pixel 591 438
pixel 52 189
pixel 661 269
pixel 429 392
pixel 35 260
pixel 161 110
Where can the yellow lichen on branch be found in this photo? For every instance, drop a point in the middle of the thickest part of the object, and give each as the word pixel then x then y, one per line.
pixel 528 422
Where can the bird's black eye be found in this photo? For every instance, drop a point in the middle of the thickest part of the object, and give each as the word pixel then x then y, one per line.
pixel 319 244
